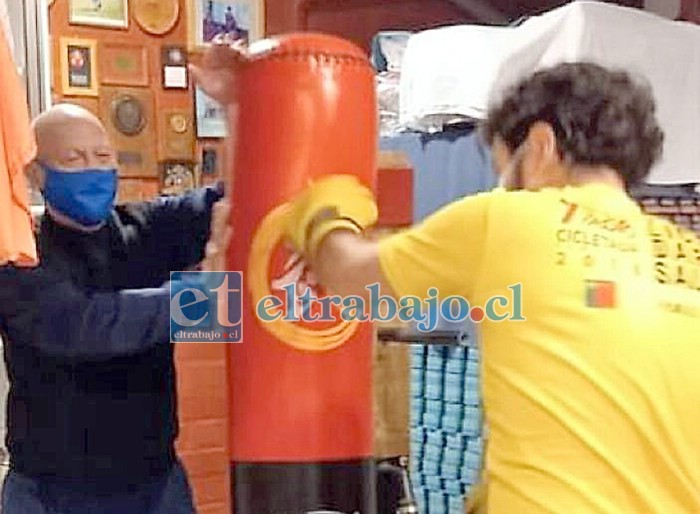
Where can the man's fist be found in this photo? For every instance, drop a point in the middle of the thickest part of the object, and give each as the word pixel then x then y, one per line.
pixel 217 74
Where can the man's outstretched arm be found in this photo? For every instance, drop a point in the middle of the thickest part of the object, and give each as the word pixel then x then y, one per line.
pixel 327 225
pixel 64 320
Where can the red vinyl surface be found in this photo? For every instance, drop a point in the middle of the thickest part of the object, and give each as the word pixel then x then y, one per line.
pixel 307 108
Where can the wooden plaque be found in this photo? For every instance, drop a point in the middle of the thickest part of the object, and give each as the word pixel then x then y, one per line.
pixel 176 135
pixel 156 17
pixel 123 64
pixel 128 115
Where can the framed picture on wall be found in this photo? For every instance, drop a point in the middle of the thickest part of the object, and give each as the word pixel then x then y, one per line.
pixel 123 64
pixel 211 116
pixel 174 63
pixel 237 19
pixel 78 66
pixel 99 13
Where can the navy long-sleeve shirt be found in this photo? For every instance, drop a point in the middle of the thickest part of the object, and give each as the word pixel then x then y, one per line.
pixel 92 383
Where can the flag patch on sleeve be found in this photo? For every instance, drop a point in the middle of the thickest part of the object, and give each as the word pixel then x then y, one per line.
pixel 601 294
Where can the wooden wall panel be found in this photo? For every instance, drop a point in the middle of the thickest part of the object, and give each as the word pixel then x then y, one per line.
pixel 282 16
pixel 86 102
pixel 360 20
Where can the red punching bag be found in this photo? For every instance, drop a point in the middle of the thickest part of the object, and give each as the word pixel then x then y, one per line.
pixel 301 392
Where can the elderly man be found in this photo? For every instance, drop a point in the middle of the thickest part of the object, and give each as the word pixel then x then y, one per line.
pixel 590 385
pixel 92 407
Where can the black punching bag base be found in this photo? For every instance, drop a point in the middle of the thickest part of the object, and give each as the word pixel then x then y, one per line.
pixel 343 487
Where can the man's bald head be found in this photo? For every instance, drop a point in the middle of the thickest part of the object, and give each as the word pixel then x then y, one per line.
pixel 75 167
pixel 70 137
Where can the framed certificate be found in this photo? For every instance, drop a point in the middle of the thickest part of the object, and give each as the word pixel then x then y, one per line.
pixel 99 13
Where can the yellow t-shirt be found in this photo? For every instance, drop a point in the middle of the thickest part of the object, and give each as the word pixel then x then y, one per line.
pixel 593 401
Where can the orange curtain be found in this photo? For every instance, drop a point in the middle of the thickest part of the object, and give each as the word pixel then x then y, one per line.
pixel 17 148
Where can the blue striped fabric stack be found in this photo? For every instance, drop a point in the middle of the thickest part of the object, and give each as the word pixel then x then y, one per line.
pixel 446 426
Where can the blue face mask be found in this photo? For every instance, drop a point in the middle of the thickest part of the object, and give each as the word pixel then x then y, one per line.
pixel 85 196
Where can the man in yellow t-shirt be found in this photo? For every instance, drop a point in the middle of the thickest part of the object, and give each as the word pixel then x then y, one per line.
pixel 591 336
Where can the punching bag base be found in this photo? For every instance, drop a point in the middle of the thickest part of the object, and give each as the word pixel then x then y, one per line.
pixel 339 487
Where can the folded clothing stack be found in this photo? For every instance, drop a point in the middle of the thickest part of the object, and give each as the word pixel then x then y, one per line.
pixel 446 426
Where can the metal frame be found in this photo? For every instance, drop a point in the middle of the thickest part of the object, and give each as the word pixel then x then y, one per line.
pixel 29 23
pixel 33 42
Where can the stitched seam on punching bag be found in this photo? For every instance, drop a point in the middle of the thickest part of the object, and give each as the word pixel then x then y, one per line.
pixel 344 59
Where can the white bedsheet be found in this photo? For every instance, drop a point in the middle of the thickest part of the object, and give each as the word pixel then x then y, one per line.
pixel 458 70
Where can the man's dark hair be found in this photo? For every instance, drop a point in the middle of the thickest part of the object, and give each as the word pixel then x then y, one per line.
pixel 601 117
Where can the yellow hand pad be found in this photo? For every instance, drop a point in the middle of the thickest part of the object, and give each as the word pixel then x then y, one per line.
pixel 336 197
